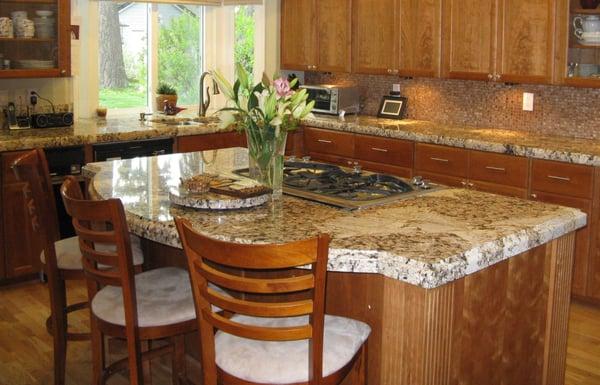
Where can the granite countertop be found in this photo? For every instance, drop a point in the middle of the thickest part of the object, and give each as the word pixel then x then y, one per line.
pixel 87 131
pixel 521 143
pixel 426 241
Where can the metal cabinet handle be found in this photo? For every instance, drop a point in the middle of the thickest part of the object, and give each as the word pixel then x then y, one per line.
pixel 158 152
pixel 495 168
pixel 463 183
pixel 379 149
pixel 324 141
pixel 62 72
pixel 470 184
pixel 534 196
pixel 439 159
pixel 561 178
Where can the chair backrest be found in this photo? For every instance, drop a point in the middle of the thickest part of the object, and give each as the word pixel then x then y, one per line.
pixel 32 168
pixel 103 222
pixel 233 266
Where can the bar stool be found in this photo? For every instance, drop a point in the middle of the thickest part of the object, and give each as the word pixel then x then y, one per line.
pixel 61 258
pixel 290 341
pixel 155 304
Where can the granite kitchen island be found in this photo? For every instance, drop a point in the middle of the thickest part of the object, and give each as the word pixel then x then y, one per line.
pixel 459 286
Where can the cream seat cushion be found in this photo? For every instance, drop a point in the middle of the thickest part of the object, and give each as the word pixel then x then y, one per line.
pixel 274 362
pixel 68 254
pixel 164 297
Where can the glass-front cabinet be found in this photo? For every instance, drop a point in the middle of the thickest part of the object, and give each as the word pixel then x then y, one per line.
pixel 35 38
pixel 579 45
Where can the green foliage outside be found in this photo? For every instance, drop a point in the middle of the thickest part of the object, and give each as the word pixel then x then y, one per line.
pixel 179 60
pixel 179 56
pixel 244 37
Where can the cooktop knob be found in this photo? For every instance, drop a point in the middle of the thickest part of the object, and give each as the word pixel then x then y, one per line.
pixel 306 158
pixel 425 185
pixel 417 180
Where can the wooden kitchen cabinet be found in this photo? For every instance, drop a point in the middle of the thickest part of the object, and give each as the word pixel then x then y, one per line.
pixel 499 40
pixel 54 50
pixel 420 38
pixel 469 39
pixel 316 35
pixel 442 164
pixel 375 29
pixel 21 247
pixel 211 141
pixel 577 59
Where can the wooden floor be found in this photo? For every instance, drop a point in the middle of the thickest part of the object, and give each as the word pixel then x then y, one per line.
pixel 26 348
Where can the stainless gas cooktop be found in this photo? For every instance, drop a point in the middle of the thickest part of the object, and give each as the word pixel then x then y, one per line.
pixel 350 188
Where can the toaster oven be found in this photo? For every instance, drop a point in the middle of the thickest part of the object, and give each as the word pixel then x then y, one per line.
pixel 332 100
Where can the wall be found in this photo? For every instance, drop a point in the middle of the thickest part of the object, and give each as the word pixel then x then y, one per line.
pixel 563 111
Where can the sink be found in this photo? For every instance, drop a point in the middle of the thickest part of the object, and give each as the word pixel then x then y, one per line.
pixel 175 121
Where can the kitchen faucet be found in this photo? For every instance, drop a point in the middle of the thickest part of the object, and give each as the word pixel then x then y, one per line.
pixel 204 105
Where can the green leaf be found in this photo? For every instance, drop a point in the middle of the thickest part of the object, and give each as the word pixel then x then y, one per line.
pixel 242 76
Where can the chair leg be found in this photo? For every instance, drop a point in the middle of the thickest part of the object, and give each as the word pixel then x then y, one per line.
pixel 98 353
pixel 58 303
pixel 178 360
pixel 146 364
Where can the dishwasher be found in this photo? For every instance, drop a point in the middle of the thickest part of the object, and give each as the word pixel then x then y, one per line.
pixel 132 149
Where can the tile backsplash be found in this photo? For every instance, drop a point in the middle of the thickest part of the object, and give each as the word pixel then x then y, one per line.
pixel 564 111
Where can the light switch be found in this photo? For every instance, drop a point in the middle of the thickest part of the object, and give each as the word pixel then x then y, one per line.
pixel 527 101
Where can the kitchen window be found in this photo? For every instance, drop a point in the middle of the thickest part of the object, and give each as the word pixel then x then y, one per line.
pixel 142 45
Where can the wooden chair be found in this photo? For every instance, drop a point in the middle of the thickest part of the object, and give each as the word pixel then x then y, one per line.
pixel 155 304
pixel 61 258
pixel 275 336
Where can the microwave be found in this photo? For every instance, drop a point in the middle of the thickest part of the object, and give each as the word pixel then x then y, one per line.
pixel 333 100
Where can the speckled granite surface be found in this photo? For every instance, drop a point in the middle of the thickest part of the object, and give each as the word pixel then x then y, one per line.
pixel 563 149
pixel 580 151
pixel 426 241
pixel 86 131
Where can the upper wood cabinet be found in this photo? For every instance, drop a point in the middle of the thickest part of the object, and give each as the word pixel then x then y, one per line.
pixel 45 54
pixel 375 45
pixel 526 41
pixel 499 40
pixel 316 35
pixel 578 56
pixel 420 37
pixel 469 38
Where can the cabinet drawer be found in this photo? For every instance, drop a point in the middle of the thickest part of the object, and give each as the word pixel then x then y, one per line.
pixel 8 175
pixel 562 178
pixel 384 150
pixel 328 142
pixel 441 159
pixel 497 168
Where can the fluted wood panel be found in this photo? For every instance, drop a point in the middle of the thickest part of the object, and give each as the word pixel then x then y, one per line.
pixel 560 255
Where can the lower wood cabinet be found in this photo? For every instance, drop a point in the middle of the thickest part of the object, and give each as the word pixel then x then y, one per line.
pixel 20 246
pixel 210 141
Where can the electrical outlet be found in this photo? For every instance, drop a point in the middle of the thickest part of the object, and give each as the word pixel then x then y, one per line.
pixel 527 101
pixel 29 91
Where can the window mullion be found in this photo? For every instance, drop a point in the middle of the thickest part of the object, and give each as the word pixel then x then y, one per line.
pixel 153 30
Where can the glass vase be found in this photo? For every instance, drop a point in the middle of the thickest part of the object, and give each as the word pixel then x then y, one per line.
pixel 266 150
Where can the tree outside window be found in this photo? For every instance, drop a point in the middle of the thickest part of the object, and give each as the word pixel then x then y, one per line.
pixel 244 36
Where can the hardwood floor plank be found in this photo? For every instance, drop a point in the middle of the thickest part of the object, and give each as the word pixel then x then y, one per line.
pixel 26 348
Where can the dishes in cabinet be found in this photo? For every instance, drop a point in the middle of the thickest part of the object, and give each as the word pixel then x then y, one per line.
pixel 24 28
pixel 6 27
pixel 33 64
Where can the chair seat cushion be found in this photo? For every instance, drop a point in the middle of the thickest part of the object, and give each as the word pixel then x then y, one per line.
pixel 68 254
pixel 286 362
pixel 164 297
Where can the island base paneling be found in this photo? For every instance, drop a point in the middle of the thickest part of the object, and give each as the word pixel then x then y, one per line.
pixel 504 324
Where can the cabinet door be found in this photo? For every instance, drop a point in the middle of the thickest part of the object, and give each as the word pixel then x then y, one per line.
pixel 328 142
pixel 469 39
pixel 582 238
pixel 210 141
pixel 375 43
pixel 22 250
pixel 334 30
pixel 420 37
pixel 298 35
pixel 442 160
pixel 525 41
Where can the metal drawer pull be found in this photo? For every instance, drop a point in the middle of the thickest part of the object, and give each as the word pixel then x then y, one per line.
pixel 495 168
pixel 439 159
pixel 563 178
pixel 379 149
pixel 324 141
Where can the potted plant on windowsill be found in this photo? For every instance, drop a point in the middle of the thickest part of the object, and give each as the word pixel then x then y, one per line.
pixel 165 92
